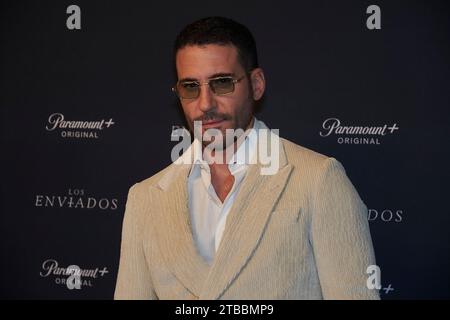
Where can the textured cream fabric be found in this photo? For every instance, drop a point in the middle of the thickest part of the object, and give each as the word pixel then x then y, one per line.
pixel 299 234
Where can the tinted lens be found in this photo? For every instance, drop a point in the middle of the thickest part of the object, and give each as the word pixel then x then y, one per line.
pixel 222 85
pixel 188 90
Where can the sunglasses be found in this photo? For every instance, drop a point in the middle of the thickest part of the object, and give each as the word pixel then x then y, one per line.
pixel 187 89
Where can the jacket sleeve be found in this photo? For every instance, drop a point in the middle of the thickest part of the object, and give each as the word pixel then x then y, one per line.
pixel 133 279
pixel 340 236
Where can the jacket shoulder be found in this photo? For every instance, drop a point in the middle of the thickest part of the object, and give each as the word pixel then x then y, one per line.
pixel 310 166
pixel 301 156
pixel 153 180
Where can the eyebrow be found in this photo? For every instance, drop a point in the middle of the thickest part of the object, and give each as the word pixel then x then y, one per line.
pixel 215 75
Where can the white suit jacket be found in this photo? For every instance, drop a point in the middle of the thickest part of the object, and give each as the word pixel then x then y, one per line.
pixel 301 233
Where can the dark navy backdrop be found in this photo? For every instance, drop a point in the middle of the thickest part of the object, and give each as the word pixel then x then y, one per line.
pixel 63 190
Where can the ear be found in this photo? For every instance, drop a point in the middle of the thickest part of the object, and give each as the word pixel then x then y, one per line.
pixel 258 82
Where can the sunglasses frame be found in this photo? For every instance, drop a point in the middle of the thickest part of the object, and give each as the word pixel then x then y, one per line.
pixel 234 81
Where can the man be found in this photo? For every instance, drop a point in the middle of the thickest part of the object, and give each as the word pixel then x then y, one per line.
pixel 206 229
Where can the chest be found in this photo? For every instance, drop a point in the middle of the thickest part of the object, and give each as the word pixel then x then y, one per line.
pixel 222 184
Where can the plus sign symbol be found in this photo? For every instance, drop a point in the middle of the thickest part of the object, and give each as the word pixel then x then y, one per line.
pixel 103 271
pixel 109 123
pixel 393 127
pixel 388 289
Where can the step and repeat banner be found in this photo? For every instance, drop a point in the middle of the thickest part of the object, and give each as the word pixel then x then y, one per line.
pixel 87 110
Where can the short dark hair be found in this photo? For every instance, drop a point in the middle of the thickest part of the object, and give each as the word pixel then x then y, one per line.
pixel 221 31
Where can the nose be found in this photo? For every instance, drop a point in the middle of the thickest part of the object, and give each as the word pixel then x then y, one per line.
pixel 206 98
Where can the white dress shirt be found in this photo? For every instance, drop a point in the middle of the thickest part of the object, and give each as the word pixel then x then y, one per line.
pixel 207 212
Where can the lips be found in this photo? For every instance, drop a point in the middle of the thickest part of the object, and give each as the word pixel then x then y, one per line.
pixel 212 123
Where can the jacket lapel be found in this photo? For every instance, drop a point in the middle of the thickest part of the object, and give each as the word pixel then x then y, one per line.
pixel 173 231
pixel 245 225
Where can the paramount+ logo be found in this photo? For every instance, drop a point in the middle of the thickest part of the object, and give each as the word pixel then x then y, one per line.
pixel 77 129
pixel 72 276
pixel 357 134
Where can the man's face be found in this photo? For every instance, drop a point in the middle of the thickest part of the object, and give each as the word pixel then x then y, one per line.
pixel 230 111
